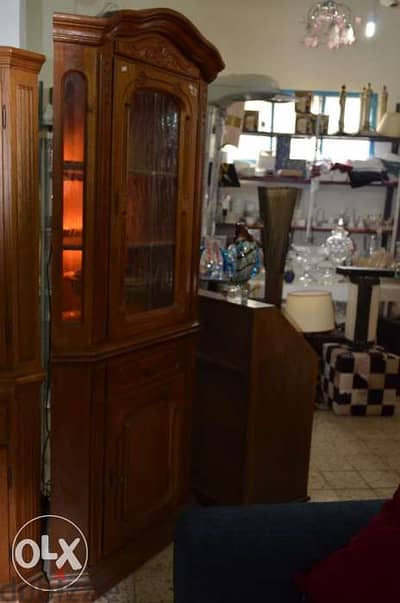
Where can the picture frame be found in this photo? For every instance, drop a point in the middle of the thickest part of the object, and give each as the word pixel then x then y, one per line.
pixel 303 101
pixel 305 123
pixel 250 121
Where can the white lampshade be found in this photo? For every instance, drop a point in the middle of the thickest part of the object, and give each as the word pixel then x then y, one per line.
pixel 312 311
pixel 389 125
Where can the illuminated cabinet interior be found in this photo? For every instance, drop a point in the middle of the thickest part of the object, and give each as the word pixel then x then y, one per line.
pixel 74 117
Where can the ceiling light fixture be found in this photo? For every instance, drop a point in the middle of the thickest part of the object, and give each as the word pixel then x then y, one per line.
pixel 329 24
pixel 370 28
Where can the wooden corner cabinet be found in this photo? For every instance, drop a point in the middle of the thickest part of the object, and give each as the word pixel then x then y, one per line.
pixel 21 374
pixel 130 92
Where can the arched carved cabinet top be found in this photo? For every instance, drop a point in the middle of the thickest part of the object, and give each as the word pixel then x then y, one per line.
pixel 128 25
pixel 158 51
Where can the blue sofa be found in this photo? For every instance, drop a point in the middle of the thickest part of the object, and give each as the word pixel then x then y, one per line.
pixel 249 554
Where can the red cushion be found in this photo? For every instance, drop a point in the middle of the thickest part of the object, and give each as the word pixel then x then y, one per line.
pixel 366 570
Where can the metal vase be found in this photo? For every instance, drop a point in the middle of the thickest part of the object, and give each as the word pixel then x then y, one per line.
pixel 276 211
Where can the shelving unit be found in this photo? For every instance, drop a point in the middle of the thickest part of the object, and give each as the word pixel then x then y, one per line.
pixel 372 137
pixel 392 183
pixel 314 185
pixel 315 228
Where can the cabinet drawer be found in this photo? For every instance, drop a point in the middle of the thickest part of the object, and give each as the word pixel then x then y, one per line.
pixel 139 367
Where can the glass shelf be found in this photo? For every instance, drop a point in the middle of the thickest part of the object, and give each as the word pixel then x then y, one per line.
pixel 72 239
pixel 74 165
pixel 74 170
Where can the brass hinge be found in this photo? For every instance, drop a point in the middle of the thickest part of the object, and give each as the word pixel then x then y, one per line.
pixel 4 117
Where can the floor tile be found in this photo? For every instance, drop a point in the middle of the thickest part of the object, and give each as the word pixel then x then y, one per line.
pixel 381 479
pixel 316 481
pixel 356 494
pixel 384 446
pixel 124 592
pixel 384 493
pixel 322 495
pixel 153 582
pixel 368 461
pixel 393 462
pixel 344 480
pixel 333 462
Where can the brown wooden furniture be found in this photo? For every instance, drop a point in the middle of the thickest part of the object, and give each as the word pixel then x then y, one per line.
pixel 21 374
pixel 130 101
pixel 256 379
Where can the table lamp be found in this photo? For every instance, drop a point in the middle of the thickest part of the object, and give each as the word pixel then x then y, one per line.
pixel 312 311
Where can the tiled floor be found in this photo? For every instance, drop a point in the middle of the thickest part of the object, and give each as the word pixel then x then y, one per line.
pixel 351 458
pixel 354 457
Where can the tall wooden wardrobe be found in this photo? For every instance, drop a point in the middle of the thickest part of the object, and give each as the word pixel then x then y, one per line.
pixel 21 374
pixel 130 94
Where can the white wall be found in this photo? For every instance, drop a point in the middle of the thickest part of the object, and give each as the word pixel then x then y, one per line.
pixel 12 23
pixel 264 36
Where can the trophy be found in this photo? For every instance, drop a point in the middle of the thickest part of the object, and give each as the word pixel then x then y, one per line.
pixel 342 104
pixel 366 99
pixel 383 102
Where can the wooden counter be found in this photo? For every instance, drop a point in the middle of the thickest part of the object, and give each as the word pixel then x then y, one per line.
pixel 256 379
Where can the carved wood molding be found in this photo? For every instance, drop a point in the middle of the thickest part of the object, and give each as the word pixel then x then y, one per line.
pixel 131 24
pixel 21 59
pixel 157 51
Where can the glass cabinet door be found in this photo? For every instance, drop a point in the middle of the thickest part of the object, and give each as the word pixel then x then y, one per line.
pixel 151 205
pixel 154 154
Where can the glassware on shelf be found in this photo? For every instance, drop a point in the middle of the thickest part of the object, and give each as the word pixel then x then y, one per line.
pixel 289 273
pixel 211 260
pixel 233 292
pixel 305 264
pixel 319 218
pixel 396 262
pixel 374 221
pixel 350 218
pixel 326 270
pixel 328 274
pixel 372 245
pixel 243 255
pixel 380 258
pixel 339 244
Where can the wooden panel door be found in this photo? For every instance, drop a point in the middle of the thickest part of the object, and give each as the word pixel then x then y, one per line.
pixel 145 468
pixel 154 139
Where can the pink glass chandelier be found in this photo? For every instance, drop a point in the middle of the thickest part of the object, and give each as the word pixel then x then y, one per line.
pixel 329 24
